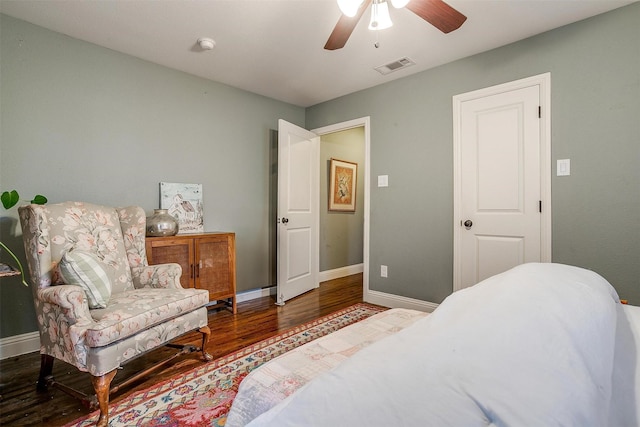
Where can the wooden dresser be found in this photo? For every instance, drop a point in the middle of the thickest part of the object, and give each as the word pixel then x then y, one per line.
pixel 208 261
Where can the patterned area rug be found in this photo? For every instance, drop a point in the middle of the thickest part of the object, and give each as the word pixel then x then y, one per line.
pixel 203 396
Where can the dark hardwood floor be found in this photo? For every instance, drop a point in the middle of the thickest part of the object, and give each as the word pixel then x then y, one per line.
pixel 258 319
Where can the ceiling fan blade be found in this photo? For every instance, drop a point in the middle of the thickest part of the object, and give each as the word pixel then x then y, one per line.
pixel 437 13
pixel 344 28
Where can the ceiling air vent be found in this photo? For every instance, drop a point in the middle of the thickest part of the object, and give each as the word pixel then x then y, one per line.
pixel 394 66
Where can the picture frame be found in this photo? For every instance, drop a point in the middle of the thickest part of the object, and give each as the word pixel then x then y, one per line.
pixel 343 178
pixel 184 203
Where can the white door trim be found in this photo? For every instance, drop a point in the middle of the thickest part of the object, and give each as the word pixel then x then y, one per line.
pixel 544 82
pixel 365 122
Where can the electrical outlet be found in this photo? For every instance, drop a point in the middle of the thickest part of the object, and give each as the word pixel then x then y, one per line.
pixel 383 271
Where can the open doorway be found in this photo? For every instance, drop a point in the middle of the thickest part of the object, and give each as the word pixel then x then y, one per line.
pixel 331 269
pixel 346 139
pixel 341 237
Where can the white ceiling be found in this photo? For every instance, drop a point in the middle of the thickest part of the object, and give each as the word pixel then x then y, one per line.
pixel 275 47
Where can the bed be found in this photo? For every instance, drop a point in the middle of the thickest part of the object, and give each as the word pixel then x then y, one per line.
pixel 538 345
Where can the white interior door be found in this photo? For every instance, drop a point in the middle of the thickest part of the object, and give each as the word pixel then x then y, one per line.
pixel 298 210
pixel 499 216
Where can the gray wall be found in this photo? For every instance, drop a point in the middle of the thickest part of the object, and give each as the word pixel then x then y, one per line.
pixel 85 123
pixel 595 83
pixel 341 233
pixel 80 122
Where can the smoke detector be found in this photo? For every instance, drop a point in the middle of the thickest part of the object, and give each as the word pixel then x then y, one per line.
pixel 206 43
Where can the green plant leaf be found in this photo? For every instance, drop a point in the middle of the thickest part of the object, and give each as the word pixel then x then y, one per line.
pixel 39 200
pixel 9 199
pixel 15 258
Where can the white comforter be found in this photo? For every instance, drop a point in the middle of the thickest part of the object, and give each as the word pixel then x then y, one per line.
pixel 534 346
pixel 279 378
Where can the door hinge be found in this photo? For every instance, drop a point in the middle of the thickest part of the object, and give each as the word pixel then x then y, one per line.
pixel 539 111
pixel 540 206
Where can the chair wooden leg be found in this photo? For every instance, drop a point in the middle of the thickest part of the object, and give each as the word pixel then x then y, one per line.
pixel 206 332
pixel 101 385
pixel 46 369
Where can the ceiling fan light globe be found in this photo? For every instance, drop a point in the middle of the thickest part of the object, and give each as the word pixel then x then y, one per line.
pixel 380 18
pixel 349 7
pixel 398 4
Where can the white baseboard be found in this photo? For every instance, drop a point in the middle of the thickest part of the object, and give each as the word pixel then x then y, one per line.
pixel 395 301
pixel 376 297
pixel 337 273
pixel 255 293
pixel 323 276
pixel 30 342
pixel 19 344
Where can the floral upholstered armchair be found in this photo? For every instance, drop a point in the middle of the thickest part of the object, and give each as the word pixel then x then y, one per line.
pixel 99 304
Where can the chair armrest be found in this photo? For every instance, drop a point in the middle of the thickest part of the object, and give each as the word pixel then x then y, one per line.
pixel 71 300
pixel 157 276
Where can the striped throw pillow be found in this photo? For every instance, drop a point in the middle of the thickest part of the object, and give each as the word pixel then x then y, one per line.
pixel 84 269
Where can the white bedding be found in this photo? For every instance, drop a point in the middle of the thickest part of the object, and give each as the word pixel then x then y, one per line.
pixel 534 346
pixel 273 382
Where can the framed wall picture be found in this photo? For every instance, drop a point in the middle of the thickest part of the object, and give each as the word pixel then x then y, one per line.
pixel 184 203
pixel 342 186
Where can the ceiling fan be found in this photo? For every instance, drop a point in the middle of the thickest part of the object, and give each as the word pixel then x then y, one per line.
pixel 436 12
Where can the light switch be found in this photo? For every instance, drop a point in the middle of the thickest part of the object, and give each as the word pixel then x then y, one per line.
pixel 563 167
pixel 383 180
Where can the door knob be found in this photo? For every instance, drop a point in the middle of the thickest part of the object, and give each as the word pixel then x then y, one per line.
pixel 285 220
pixel 467 224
